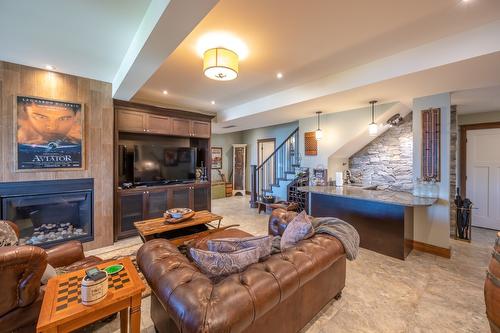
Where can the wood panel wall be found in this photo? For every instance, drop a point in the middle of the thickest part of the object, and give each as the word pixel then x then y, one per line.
pixel 96 97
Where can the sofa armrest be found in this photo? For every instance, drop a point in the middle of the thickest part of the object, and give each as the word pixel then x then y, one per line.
pixel 65 254
pixel 21 270
pixel 278 221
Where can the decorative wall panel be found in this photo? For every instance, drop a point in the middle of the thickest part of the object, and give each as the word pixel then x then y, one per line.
pixel 96 98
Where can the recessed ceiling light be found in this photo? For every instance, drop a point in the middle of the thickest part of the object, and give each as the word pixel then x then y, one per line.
pixel 279 75
pixel 212 102
pixel 50 67
pixel 165 92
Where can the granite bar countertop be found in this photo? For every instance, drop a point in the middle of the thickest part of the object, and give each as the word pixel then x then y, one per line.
pixel 383 196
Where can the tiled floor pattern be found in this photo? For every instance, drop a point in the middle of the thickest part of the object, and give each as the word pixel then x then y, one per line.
pixel 425 293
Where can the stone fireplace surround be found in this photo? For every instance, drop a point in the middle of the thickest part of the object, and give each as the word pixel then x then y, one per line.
pixel 49 212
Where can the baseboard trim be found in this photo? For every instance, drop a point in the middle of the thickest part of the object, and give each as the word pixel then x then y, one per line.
pixel 432 249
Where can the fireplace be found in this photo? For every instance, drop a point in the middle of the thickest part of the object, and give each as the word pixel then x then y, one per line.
pixel 49 212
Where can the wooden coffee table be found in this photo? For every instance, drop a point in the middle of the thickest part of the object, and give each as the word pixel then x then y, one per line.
pixel 150 229
pixel 62 310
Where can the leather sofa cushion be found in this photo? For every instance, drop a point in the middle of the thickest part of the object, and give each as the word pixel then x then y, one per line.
pixel 220 264
pixel 262 243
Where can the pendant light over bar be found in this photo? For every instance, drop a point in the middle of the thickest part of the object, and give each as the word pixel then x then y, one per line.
pixel 373 127
pixel 319 132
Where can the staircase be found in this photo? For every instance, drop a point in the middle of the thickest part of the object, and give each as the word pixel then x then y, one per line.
pixel 280 166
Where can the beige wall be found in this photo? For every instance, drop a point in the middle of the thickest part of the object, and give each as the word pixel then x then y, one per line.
pixel 478 118
pixel 98 105
pixel 432 224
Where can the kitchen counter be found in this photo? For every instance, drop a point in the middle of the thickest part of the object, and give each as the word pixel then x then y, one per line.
pixel 383 219
pixel 382 196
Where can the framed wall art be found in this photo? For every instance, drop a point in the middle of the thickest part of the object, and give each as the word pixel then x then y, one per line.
pixel 431 144
pixel 48 134
pixel 216 157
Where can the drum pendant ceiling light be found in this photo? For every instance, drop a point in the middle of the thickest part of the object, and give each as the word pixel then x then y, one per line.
pixel 220 64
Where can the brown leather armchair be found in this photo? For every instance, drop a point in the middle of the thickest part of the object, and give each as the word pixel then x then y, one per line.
pixel 21 269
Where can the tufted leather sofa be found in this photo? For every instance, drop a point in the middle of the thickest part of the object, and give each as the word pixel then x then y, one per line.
pixel 21 269
pixel 280 294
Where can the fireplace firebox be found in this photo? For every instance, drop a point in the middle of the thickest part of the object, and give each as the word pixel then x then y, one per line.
pixel 49 212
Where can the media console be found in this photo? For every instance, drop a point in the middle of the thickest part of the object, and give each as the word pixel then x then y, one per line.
pixel 154 125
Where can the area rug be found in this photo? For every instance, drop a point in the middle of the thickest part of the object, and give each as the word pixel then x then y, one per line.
pixel 133 258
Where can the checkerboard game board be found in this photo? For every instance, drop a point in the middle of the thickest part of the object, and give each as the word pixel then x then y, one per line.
pixel 69 289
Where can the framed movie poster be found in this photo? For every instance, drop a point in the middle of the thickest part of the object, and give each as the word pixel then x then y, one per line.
pixel 48 134
pixel 216 157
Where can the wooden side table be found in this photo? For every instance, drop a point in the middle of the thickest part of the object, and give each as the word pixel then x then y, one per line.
pixel 62 310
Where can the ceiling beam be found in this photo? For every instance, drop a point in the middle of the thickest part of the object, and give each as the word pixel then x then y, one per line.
pixel 164 26
pixel 466 45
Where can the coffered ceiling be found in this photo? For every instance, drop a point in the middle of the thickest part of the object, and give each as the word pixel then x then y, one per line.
pixel 306 41
pixel 334 55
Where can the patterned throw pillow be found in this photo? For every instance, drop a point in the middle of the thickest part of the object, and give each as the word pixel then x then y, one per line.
pixel 217 264
pixel 263 243
pixel 298 229
pixel 8 236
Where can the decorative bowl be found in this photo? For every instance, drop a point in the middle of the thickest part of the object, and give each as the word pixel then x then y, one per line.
pixel 177 213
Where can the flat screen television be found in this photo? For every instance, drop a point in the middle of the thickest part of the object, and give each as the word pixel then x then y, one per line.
pixel 144 164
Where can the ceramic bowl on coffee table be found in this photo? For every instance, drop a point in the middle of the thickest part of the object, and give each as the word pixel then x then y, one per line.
pixel 177 213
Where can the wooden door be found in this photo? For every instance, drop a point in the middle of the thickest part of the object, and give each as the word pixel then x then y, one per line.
pixel 156 203
pixel 181 127
pixel 200 129
pixel 483 176
pixel 130 121
pixel 159 124
pixel 181 197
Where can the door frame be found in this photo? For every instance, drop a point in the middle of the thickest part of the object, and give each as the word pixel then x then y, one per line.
pixel 259 141
pixel 463 150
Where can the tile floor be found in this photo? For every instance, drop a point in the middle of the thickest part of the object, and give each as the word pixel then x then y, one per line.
pixel 425 293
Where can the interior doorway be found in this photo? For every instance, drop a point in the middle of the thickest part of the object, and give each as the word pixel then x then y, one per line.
pixel 265 148
pixel 480 172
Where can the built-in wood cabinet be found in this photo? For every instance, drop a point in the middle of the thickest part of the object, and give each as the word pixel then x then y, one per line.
pixel 151 202
pixel 148 123
pixel 200 129
pixel 181 127
pixel 131 121
pixel 138 122
pixel 159 124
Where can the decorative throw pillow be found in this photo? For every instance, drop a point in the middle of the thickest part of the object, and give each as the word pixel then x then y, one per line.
pixel 8 236
pixel 216 264
pixel 262 243
pixel 298 229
